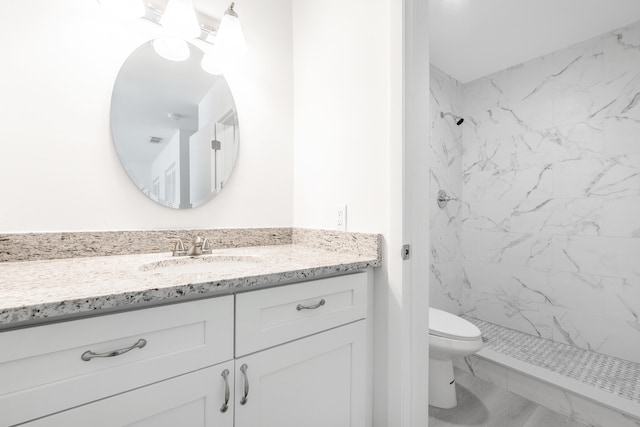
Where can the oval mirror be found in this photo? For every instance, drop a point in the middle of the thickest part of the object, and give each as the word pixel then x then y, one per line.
pixel 174 126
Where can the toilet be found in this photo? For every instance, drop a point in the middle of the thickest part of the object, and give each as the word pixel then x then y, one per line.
pixel 450 336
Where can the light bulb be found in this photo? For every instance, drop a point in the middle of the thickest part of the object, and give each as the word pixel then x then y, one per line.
pixel 179 19
pixel 172 48
pixel 210 65
pixel 230 41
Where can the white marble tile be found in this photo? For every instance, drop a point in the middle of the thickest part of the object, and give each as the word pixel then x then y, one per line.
pixel 580 104
pixel 445 287
pixel 549 216
pixel 579 292
pixel 622 299
pixel 621 217
pixel 624 95
pixel 493 183
pixel 621 135
pixel 580 140
pixel 524 316
pixel 577 66
pixel 524 249
pixel 570 216
pixel 505 121
pixel 606 256
pixel 613 337
pixel 531 149
pixel 610 177
pixel 524 283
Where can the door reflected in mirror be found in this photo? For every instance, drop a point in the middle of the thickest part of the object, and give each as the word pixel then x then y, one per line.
pixel 175 127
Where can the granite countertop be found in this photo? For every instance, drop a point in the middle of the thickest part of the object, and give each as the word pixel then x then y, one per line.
pixel 35 291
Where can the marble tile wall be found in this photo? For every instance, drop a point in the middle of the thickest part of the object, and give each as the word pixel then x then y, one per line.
pixel 444 173
pixel 550 224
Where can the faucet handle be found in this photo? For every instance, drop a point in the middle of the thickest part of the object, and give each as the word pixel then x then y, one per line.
pixel 206 247
pixel 179 249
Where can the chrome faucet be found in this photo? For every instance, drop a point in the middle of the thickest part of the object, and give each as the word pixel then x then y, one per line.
pixel 196 248
pixel 179 249
pixel 199 247
pixel 206 247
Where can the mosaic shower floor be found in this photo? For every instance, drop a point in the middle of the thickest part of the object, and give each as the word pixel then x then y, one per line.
pixel 617 376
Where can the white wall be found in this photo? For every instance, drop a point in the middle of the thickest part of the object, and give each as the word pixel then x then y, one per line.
pixel 341 118
pixel 59 169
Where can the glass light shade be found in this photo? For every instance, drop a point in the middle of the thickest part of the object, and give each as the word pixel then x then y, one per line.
pixel 172 48
pixel 230 40
pixel 210 64
pixel 125 8
pixel 179 19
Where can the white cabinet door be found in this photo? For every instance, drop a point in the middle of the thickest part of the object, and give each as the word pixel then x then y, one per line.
pixel 318 381
pixel 190 400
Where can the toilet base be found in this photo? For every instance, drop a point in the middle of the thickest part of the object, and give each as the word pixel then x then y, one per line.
pixel 442 387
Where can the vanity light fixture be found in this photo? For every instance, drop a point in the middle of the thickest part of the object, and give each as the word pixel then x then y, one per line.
pixel 180 24
pixel 179 19
pixel 230 42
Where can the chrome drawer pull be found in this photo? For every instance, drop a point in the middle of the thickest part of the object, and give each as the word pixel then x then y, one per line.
pixel 88 355
pixel 243 369
pixel 301 307
pixel 225 405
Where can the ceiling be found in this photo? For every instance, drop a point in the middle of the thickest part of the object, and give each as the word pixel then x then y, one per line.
pixel 474 38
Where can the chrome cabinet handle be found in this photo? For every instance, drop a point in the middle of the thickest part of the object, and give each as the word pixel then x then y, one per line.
pixel 225 405
pixel 243 369
pixel 301 307
pixel 88 355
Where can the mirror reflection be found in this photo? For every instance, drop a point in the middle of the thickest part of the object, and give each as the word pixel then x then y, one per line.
pixel 174 126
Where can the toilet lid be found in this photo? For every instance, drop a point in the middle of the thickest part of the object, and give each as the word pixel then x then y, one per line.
pixel 447 325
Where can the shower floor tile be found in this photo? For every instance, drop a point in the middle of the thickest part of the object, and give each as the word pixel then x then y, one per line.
pixel 616 376
pixel 481 404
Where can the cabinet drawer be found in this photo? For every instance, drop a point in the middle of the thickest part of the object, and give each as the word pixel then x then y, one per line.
pixel 43 371
pixel 273 316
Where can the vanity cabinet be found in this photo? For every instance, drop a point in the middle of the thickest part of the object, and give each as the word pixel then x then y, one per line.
pixel 299 359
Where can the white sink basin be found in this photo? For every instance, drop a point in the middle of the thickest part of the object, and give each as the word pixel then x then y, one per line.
pixel 202 264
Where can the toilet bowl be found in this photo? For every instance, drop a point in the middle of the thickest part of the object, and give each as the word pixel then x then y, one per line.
pixel 450 336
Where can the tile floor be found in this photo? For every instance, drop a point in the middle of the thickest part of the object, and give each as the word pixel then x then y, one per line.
pixel 481 404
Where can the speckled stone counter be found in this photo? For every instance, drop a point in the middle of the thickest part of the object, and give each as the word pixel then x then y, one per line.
pixel 35 291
